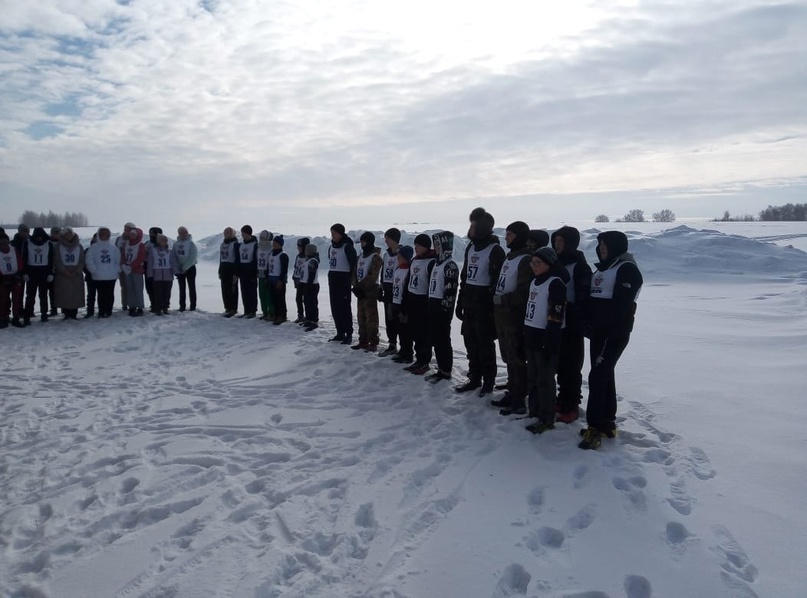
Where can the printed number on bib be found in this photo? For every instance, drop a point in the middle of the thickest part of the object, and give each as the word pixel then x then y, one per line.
pixel 472 272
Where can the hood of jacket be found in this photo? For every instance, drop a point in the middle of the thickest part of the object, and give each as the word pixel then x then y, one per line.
pixel 617 243
pixel 570 236
pixel 443 243
pixel 138 237
pixel 39 236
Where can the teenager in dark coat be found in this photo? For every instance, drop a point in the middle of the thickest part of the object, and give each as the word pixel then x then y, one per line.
pixel 341 263
pixel 443 286
pixel 228 272
pixel 37 255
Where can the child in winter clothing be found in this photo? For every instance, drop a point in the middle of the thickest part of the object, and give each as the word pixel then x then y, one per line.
pixel 419 323
pixel 185 253
pixel 341 263
pixel 55 239
pixel 121 243
pixel 277 278
pixel 161 266
pixel 392 238
pixel 566 240
pixel 247 271
pixel 133 264
pixel 228 272
pixel 103 261
pixel 11 283
pixel 400 304
pixel 543 320
pixel 309 281
pixel 615 286
pixel 264 252
pixel 68 283
pixel 150 243
pixel 365 287
pixel 443 285
pixel 37 255
pixel 299 263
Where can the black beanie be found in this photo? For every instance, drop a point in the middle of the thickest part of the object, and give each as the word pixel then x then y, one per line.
pixel 339 228
pixel 303 241
pixel 394 234
pixel 368 238
pixel 484 222
pixel 424 241
pixel 539 238
pixel 406 252
pixel 246 229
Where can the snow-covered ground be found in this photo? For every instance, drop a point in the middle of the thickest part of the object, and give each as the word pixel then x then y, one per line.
pixel 192 456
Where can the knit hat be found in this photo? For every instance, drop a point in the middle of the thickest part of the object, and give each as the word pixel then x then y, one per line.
pixel 279 240
pixel 484 222
pixel 311 250
pixel 55 230
pixel 303 241
pixel 339 228
pixel 406 252
pixel 547 255
pixel 394 234
pixel 538 238
pixel 368 238
pixel 423 240
pixel 130 225
pixel 246 229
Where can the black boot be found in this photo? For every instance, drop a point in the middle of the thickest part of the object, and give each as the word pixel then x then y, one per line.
pixel 469 385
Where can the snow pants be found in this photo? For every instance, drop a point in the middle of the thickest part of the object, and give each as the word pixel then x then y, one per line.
pixel 37 285
pixel 367 316
pixel 11 299
pixel 341 307
pixel 390 321
pixel 605 351
pixel 278 290
pixel 570 364
pixel 265 296
pixel 510 332
pixel 311 301
pixel 542 390
pixel 187 278
pixel 440 324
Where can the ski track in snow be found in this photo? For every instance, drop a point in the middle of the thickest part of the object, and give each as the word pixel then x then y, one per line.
pixel 213 472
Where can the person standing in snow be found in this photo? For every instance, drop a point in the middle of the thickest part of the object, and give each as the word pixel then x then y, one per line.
pixel 509 305
pixel 297 273
pixel 121 242
pixel 480 272
pixel 55 240
pixel 150 244
pixel 392 238
pixel 11 283
pixel 228 272
pixel 68 282
pixel 37 254
pixel 247 271
pixel 365 287
pixel 133 264
pixel 544 318
pixel 341 263
pixel 400 304
pixel 92 290
pixel 162 265
pixel 566 241
pixel 277 278
pixel 615 287
pixel 103 261
pixel 186 255
pixel 417 310
pixel 537 239
pixel 443 285
pixel 263 253
pixel 309 280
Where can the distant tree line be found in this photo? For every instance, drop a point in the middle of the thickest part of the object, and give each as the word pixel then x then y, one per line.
pixel 786 213
pixel 727 217
pixel 51 219
pixel 638 216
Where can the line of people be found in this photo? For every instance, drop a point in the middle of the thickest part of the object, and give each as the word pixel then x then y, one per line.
pixel 58 271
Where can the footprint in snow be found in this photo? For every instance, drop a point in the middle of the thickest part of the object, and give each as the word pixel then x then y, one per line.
pixel 637 586
pixel 514 582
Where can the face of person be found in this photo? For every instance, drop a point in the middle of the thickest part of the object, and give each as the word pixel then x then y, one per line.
pixel 390 242
pixel 472 230
pixel 509 237
pixel 246 236
pixel 539 266
pixel 103 235
pixel 229 233
pixel 420 250
pixel 133 234
pixel 182 233
pixel 560 244
pixel 335 236
pixel 602 249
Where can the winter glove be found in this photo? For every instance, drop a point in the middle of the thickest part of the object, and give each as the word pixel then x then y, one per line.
pixel 49 278
pixel 460 312
pixel 126 269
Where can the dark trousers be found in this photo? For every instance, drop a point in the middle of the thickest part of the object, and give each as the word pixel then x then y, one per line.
pixel 161 294
pixel 150 292
pixel 229 291
pixel 605 352
pixel 91 292
pixel 570 366
pixel 106 296
pixel 390 321
pixel 299 300
pixel 542 390
pixel 10 299
pixel 37 285
pixel 440 323
pixel 479 335
pixel 189 278
pixel 311 301
pixel 52 297
pixel 405 349
pixel 510 331
pixel 341 308
pixel 278 290
pixel 420 327
pixel 249 293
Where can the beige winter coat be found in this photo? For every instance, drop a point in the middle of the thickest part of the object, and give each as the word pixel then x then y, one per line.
pixel 68 281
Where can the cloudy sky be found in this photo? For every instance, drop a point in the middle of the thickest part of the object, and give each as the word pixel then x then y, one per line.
pixel 222 111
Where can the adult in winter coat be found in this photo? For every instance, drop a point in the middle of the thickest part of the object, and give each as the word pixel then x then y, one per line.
pixel 121 242
pixel 228 272
pixel 37 254
pixel 400 304
pixel 443 285
pixel 309 281
pixel 420 272
pixel 480 272
pixel 509 304
pixel 161 267
pixel 365 287
pixel 544 319
pixel 392 238
pixel 264 253
pixel 103 261
pixel 277 278
pixel 342 260
pixel 247 271
pixel 615 286
pixel 21 238
pixel 133 264
pixel 186 255
pixel 297 272
pixel 68 282
pixel 11 283
pixel 565 241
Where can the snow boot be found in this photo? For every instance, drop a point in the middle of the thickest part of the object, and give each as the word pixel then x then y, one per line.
pixel 468 386
pixel 540 427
